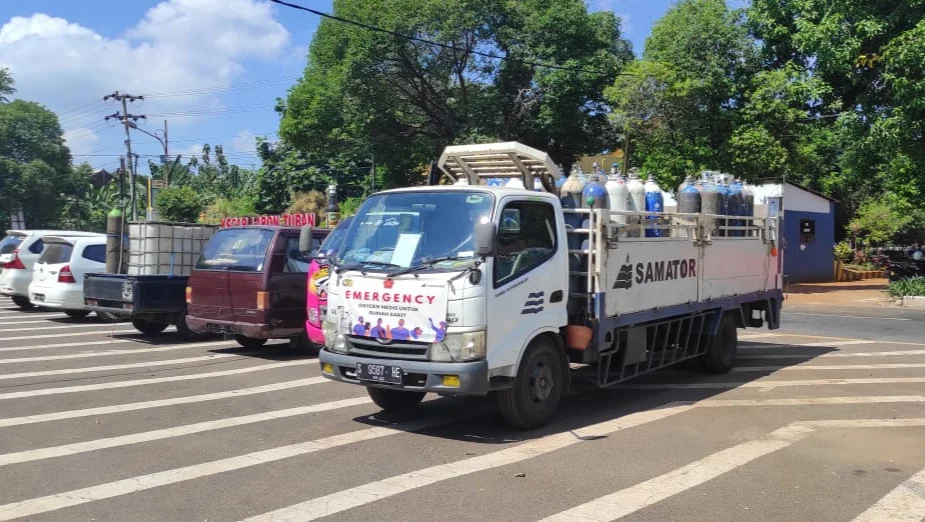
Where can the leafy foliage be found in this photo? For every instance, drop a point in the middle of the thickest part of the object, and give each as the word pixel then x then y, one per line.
pixel 6 85
pixel 913 286
pixel 844 252
pixel 181 204
pixel 223 208
pixel 313 202
pixel 878 222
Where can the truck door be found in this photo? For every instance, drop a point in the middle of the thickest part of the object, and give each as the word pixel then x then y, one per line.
pixel 528 278
pixel 287 280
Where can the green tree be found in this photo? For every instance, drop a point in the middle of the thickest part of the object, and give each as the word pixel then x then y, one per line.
pixel 367 93
pixel 180 204
pixel 6 85
pixel 679 103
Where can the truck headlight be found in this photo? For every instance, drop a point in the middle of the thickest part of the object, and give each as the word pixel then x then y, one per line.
pixel 333 340
pixel 459 347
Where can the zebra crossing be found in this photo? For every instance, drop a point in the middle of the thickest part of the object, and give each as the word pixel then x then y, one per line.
pixel 97 422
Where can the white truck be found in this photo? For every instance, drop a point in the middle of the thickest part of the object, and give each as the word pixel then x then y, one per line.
pixel 470 289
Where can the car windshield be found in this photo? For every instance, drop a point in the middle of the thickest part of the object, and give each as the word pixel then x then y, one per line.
pixel 237 249
pixel 406 229
pixel 335 239
pixel 56 253
pixel 10 243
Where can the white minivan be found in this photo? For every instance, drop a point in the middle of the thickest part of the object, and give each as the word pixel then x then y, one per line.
pixel 19 250
pixel 58 275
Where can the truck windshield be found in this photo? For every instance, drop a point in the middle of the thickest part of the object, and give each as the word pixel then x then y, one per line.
pixel 237 249
pixel 335 239
pixel 406 229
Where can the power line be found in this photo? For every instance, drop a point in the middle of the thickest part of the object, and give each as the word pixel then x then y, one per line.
pixel 442 45
pixel 224 88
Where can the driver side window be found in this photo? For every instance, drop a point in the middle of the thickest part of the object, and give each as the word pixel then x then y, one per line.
pixel 526 239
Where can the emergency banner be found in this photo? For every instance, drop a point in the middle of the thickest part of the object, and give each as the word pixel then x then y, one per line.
pixel 390 309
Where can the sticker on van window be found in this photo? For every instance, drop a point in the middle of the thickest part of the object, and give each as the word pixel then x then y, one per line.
pixel 474 199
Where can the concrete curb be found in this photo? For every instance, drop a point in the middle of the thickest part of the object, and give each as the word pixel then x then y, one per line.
pixel 913 301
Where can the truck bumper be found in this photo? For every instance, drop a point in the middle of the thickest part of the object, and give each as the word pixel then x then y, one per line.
pixel 252 330
pixel 419 376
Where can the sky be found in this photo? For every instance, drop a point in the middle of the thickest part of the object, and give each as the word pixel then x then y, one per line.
pixel 212 68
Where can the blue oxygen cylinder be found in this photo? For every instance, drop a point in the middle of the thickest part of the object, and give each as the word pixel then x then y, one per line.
pixel 655 202
pixel 737 206
pixel 688 198
pixel 748 203
pixel 594 195
pixel 723 204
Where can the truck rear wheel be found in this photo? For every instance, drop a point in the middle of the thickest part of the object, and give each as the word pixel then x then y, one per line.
pixel 22 302
pixel 721 351
pixel 249 342
pixel 395 400
pixel 537 390
pixel 148 327
pixel 303 345
pixel 183 330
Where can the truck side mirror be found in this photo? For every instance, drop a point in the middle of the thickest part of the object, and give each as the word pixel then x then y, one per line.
pixel 305 241
pixel 485 239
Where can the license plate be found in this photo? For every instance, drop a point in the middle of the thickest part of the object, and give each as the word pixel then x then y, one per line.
pixel 38 297
pixel 91 302
pixel 218 328
pixel 379 373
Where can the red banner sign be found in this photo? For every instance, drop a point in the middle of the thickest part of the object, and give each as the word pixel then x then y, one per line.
pixel 285 220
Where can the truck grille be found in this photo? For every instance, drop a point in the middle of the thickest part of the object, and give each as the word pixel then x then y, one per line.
pixel 366 347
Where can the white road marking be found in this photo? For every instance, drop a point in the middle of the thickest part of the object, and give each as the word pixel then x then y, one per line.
pixel 160 403
pixel 176 431
pixel 852 316
pixel 68 345
pixel 147 364
pixel 827 355
pixel 840 343
pixel 108 333
pixel 32 316
pixel 770 384
pixel 747 336
pixel 884 366
pixel 630 500
pixel 104 329
pixel 813 401
pixel 48 503
pixel 130 351
pixel 354 497
pixel 153 380
pixel 906 503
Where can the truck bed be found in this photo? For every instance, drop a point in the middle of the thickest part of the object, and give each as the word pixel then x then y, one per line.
pixel 136 294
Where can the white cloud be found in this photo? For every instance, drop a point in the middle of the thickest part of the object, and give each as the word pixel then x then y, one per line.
pixel 244 141
pixel 179 45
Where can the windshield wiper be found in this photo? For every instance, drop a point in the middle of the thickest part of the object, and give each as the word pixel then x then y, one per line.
pixel 427 264
pixel 359 264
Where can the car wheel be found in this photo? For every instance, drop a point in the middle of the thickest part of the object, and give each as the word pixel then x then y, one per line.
pixel 22 302
pixel 77 314
pixel 303 345
pixel 533 399
pixel 249 342
pixel 148 327
pixel 396 401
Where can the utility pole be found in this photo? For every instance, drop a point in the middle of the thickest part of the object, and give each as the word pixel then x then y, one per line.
pixel 127 121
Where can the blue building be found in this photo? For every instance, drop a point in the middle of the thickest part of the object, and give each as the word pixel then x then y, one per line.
pixel 808 230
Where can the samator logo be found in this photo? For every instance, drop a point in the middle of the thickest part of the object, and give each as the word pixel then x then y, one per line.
pixel 654 272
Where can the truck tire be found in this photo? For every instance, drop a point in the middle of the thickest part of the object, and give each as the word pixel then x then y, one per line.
pixel 538 387
pixel 148 327
pixel 303 345
pixel 396 401
pixel 721 350
pixel 22 302
pixel 249 342
pixel 77 314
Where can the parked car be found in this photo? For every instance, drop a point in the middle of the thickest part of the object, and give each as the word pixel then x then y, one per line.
pixel 19 251
pixel 318 273
pixel 58 275
pixel 249 282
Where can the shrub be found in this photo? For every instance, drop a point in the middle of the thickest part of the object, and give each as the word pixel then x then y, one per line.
pixel 844 252
pixel 224 208
pixel 913 286
pixel 349 206
pixel 180 204
pixel 313 202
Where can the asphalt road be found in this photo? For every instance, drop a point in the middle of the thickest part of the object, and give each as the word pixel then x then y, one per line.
pixel 822 420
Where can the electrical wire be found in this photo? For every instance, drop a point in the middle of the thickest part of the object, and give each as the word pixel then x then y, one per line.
pixel 441 44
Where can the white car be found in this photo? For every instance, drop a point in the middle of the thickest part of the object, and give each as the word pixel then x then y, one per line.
pixel 58 275
pixel 19 251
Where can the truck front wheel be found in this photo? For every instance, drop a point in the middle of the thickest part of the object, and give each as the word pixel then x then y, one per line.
pixel 722 347
pixel 183 331
pixel 395 400
pixel 148 327
pixel 538 387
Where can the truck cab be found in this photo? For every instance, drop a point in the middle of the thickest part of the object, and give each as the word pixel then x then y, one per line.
pixel 468 289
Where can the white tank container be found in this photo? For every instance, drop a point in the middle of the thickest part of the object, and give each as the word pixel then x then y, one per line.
pixel 618 198
pixel 637 197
